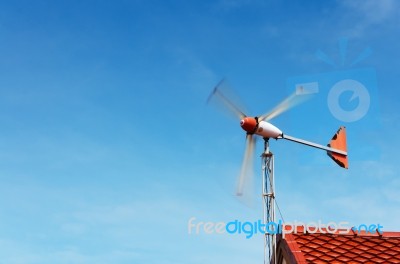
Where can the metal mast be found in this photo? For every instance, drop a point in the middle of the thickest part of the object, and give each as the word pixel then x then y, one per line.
pixel 268 197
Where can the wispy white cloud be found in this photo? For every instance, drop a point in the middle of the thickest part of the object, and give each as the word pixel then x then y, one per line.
pixel 361 15
pixel 373 11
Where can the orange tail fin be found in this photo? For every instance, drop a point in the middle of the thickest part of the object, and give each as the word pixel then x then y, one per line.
pixel 338 141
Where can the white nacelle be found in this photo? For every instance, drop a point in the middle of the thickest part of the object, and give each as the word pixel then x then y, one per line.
pixel 268 130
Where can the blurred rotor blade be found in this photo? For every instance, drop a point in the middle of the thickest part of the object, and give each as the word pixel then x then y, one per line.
pixel 246 173
pixel 291 101
pixel 225 100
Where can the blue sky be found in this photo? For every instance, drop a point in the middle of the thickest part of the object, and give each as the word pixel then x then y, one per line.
pixel 108 148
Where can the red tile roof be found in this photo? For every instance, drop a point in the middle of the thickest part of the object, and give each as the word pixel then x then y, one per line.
pixel 338 247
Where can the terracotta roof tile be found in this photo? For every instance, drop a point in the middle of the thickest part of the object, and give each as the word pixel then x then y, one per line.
pixel 336 248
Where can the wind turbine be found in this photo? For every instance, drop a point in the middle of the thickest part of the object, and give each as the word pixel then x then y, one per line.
pixel 259 126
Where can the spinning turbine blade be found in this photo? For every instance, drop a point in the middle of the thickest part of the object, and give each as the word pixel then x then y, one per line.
pixel 246 172
pixel 233 108
pixel 291 101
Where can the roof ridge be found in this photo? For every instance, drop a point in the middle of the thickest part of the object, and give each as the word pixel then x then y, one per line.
pixel 302 229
